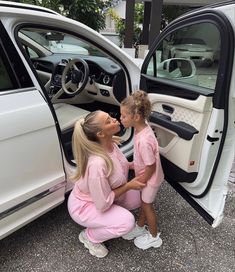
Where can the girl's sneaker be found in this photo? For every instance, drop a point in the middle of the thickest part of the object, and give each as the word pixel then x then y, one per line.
pixel 99 250
pixel 147 240
pixel 136 232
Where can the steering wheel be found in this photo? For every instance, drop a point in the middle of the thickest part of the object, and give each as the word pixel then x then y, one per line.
pixel 74 79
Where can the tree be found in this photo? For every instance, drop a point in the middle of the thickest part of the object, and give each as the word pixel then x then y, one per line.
pixel 89 12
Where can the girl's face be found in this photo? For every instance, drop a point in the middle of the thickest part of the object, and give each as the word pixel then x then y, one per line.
pixel 109 126
pixel 127 118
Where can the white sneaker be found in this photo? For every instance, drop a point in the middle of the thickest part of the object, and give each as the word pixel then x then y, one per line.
pixel 136 232
pixel 99 250
pixel 147 240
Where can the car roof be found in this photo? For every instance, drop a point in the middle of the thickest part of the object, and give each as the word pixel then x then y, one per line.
pixel 26 6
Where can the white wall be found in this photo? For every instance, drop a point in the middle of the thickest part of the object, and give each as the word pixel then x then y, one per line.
pixel 121 9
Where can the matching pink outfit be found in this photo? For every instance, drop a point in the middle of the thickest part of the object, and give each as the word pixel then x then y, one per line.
pixel 92 202
pixel 146 152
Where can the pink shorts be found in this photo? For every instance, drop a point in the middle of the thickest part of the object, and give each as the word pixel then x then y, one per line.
pixel 149 192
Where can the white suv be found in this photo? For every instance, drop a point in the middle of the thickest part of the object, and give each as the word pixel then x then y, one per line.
pixel 43 91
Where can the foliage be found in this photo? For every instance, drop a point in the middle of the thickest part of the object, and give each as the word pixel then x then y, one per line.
pixel 119 25
pixel 89 12
pixel 138 22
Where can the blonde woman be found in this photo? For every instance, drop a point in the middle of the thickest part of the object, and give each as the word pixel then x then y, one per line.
pixel 102 197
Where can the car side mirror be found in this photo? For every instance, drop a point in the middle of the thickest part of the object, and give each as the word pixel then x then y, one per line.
pixel 176 68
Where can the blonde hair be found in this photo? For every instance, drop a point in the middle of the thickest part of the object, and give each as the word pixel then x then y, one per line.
pixel 85 143
pixel 138 102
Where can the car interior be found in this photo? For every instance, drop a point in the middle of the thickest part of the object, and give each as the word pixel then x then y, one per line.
pixel 77 76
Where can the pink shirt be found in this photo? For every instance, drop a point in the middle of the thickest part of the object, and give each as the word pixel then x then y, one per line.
pixel 146 152
pixel 95 186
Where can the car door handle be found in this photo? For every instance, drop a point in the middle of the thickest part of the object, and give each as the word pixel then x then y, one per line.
pixel 212 139
pixel 167 109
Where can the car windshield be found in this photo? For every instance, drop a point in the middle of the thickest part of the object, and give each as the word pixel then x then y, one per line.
pixel 58 42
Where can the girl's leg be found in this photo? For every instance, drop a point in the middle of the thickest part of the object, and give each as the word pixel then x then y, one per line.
pixel 142 218
pixel 151 218
pixel 151 239
pixel 148 196
pixel 140 228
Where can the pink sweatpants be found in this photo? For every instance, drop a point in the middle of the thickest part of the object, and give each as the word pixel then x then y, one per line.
pixel 102 226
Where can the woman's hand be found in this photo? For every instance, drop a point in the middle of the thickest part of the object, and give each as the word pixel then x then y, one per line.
pixel 135 184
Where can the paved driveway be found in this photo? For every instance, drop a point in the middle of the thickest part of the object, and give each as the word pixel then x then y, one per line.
pixel 189 243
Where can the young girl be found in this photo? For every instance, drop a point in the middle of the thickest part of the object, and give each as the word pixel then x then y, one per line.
pixel 135 110
pixel 101 197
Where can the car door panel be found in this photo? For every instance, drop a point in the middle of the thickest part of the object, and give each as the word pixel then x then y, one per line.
pixel 25 212
pixel 31 161
pixel 32 169
pixel 182 129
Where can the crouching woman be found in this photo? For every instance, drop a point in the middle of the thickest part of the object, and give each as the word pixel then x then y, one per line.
pixel 101 198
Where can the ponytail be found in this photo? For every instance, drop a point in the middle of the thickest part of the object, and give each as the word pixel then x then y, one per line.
pixel 85 143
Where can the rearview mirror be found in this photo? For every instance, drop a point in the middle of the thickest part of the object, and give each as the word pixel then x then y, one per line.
pixel 54 36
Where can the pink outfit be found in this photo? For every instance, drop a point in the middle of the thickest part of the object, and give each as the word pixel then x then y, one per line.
pixel 92 204
pixel 146 152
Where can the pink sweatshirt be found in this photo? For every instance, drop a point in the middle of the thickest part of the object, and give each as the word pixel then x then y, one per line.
pixel 146 152
pixel 95 186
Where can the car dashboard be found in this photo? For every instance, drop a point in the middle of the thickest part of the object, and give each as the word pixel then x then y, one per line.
pixel 107 81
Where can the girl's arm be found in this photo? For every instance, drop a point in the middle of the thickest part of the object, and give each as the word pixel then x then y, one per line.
pixel 148 172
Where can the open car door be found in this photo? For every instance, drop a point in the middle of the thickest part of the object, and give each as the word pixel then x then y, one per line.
pixel 189 76
pixel 32 179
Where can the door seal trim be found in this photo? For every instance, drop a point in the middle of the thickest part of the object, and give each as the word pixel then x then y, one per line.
pixel 32 200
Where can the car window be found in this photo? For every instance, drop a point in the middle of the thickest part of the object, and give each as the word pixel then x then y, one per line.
pixel 57 42
pixel 13 73
pixel 190 54
pixel 30 52
pixel 5 79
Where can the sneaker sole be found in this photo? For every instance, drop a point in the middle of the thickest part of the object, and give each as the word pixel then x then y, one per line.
pixel 83 241
pixel 155 244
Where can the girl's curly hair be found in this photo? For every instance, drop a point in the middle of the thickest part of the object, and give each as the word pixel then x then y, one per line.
pixel 138 102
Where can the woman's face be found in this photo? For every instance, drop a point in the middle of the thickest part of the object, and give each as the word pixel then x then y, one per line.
pixel 109 126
